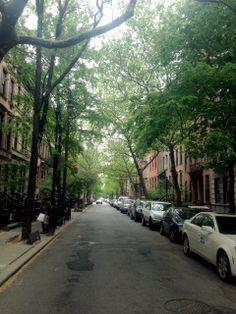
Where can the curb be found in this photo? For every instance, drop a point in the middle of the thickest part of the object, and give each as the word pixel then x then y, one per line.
pixel 23 259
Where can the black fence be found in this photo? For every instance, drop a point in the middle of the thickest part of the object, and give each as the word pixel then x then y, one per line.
pixel 12 208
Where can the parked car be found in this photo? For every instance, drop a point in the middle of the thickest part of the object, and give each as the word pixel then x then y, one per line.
pixel 99 201
pixel 136 210
pixel 173 219
pixel 213 237
pixel 113 202
pixel 119 201
pixel 153 212
pixel 125 205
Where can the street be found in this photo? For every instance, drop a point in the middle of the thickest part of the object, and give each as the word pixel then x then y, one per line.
pixel 105 263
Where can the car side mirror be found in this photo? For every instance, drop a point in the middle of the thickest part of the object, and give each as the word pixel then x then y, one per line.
pixel 207 229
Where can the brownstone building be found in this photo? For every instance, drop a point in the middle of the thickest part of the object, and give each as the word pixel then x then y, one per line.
pixel 15 137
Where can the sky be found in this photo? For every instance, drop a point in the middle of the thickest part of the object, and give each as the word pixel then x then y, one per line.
pixel 111 11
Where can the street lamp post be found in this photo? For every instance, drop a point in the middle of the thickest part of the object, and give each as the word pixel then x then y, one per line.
pixel 69 108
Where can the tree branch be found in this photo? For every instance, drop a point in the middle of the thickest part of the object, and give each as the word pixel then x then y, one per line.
pixel 46 43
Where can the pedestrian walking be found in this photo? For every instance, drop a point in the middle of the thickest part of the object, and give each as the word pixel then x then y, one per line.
pixel 46 209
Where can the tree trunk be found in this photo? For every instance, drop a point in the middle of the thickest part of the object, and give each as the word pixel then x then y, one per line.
pixel 139 171
pixel 231 187
pixel 27 217
pixel 175 176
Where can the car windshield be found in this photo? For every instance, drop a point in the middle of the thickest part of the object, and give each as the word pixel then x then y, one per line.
pixel 156 206
pixel 226 225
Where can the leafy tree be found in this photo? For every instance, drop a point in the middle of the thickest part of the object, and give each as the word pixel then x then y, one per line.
pixel 204 81
pixel 119 168
pixel 45 85
pixel 84 177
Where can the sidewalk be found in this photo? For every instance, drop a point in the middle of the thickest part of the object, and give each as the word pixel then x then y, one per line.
pixel 15 253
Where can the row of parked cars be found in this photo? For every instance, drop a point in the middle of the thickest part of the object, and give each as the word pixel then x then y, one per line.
pixel 202 231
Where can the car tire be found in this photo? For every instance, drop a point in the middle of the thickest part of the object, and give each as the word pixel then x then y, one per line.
pixel 143 221
pixel 223 266
pixel 161 229
pixel 186 247
pixel 172 235
pixel 151 225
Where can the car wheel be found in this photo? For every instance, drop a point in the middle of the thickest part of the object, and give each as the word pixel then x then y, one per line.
pixel 186 248
pixel 143 221
pixel 162 229
pixel 223 266
pixel 151 225
pixel 172 235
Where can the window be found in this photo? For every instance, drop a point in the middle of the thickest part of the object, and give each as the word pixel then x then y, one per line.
pixel 4 82
pixel 198 220
pixel 18 95
pixel 207 188
pixel 12 87
pixel 1 127
pixel 148 206
pixel 8 131
pixel 217 190
pixel 190 190
pixel 226 225
pixel 16 136
pixel 181 180
pixel 225 190
pixel 186 190
pixel 180 156
pixel 208 221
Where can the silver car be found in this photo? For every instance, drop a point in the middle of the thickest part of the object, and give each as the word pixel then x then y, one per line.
pixel 153 212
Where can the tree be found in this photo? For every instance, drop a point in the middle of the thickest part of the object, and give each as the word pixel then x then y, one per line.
pixel 119 168
pixel 84 178
pixel 204 81
pixel 141 72
pixel 42 90
pixel 12 10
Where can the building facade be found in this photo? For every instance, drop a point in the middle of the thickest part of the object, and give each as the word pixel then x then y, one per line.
pixel 15 137
pixel 199 185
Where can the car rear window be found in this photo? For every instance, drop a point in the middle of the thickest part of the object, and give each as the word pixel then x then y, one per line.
pixel 226 225
pixel 185 214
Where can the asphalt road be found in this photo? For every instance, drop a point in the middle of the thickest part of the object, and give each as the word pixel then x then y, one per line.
pixel 105 263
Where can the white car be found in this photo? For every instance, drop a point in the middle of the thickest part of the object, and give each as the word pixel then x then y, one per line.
pixel 153 212
pixel 213 237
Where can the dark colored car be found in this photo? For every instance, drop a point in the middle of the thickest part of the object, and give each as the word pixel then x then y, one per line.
pixel 173 219
pixel 135 211
pixel 99 201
